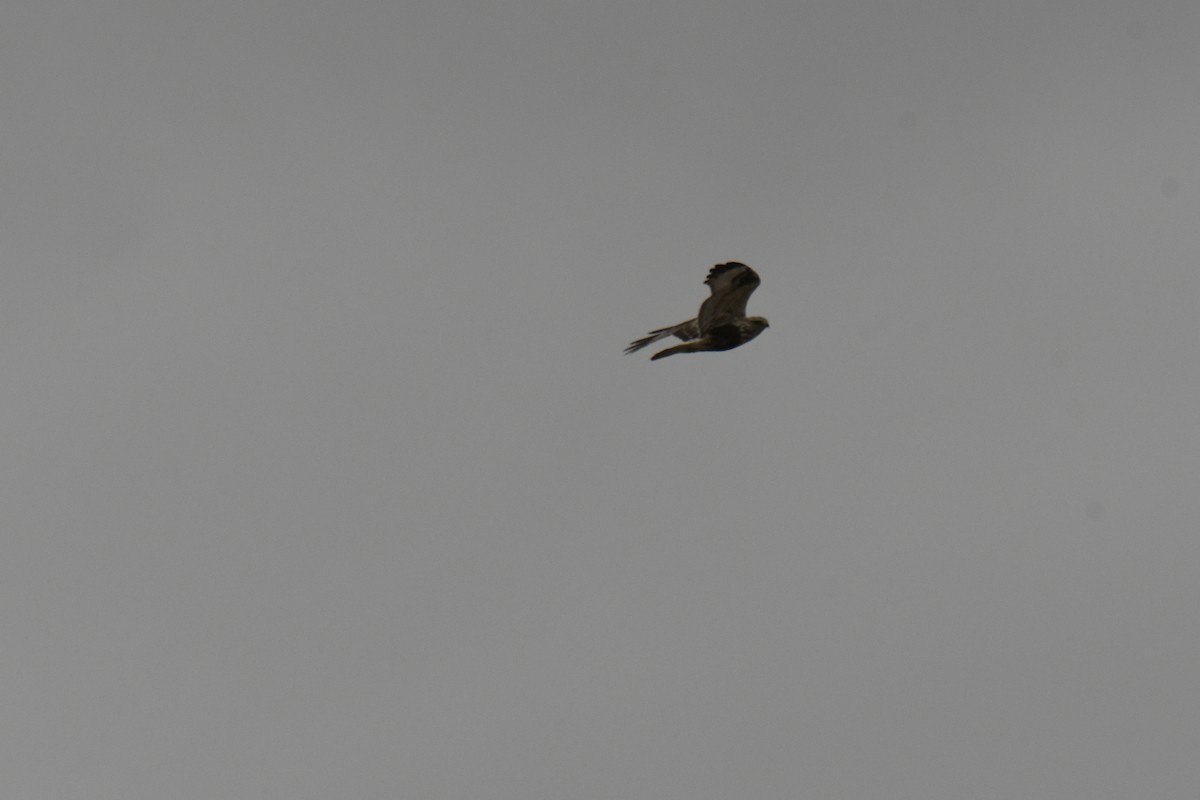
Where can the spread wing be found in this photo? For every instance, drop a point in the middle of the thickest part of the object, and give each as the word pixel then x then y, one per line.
pixel 732 284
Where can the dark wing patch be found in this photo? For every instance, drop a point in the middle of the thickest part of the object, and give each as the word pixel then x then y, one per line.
pixel 743 274
pixel 732 285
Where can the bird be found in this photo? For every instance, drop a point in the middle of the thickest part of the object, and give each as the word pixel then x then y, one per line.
pixel 722 323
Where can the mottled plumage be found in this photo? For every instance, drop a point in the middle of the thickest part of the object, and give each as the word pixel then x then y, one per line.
pixel 722 323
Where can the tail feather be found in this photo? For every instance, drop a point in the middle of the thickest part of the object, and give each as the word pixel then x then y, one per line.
pixel 647 340
pixel 689 347
pixel 684 330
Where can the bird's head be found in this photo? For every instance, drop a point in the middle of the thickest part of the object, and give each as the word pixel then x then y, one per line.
pixel 760 323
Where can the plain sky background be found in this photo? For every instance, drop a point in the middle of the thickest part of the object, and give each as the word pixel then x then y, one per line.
pixel 324 476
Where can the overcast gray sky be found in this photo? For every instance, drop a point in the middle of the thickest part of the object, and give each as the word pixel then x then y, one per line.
pixel 324 475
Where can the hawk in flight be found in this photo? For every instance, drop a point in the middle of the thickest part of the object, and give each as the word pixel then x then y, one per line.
pixel 722 323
